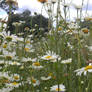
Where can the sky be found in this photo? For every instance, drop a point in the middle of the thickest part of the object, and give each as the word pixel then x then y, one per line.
pixel 35 6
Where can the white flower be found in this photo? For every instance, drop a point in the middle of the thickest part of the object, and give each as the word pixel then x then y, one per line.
pixel 45 78
pixel 8 89
pixel 15 77
pixel 35 82
pixel 53 1
pixel 26 59
pixel 4 74
pixel 9 55
pixel 36 65
pixel 84 70
pixel 78 6
pixel 8 37
pixel 50 56
pixel 16 24
pixel 2 62
pixel 90 48
pixel 66 61
pixel 56 89
pixel 14 63
pixel 66 4
pixel 84 32
pixel 13 84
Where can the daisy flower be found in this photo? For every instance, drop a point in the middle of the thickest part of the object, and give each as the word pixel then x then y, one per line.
pixel 56 89
pixel 14 63
pixel 90 48
pixel 8 37
pixel 8 89
pixel 84 70
pixel 42 1
pixel 35 82
pixel 26 59
pixel 9 55
pixel 46 78
pixel 13 84
pixel 50 56
pixel 68 61
pixel 36 65
pixel 15 77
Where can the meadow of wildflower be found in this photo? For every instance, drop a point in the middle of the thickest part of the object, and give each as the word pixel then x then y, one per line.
pixel 60 61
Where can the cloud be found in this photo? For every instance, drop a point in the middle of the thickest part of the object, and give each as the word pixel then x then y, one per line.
pixel 32 5
pixel 35 6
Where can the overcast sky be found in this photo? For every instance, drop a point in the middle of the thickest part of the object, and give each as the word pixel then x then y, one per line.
pixel 35 6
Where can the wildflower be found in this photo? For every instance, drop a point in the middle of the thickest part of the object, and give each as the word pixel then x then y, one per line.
pixel 5 45
pixel 56 89
pixel 35 82
pixel 8 37
pixel 68 61
pixel 15 77
pixel 85 30
pixel 84 70
pixel 2 62
pixel 78 6
pixel 60 29
pixel 9 55
pixel 53 1
pixel 16 24
pixel 26 49
pixel 6 89
pixel 27 29
pixel 26 59
pixel 50 56
pixel 66 4
pixel 14 63
pixel 42 1
pixel 36 65
pixel 45 78
pixel 10 2
pixel 27 42
pixel 88 18
pixel 13 84
pixel 22 67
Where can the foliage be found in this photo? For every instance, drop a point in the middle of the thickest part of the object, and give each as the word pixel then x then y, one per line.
pixel 5 7
pixel 37 22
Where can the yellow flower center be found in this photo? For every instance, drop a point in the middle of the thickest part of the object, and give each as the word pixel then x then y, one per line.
pixel 48 57
pixel 8 57
pixel 27 41
pixel 26 49
pixel 58 89
pixel 15 83
pixel 26 28
pixel 16 77
pixel 59 29
pixel 6 81
pixel 9 38
pixel 88 67
pixel 33 80
pixel 42 1
pixel 85 30
pixel 36 64
pixel 14 63
pixel 5 46
pixel 50 74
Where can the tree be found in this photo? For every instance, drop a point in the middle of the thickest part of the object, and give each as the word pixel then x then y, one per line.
pixel 5 6
pixel 30 22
